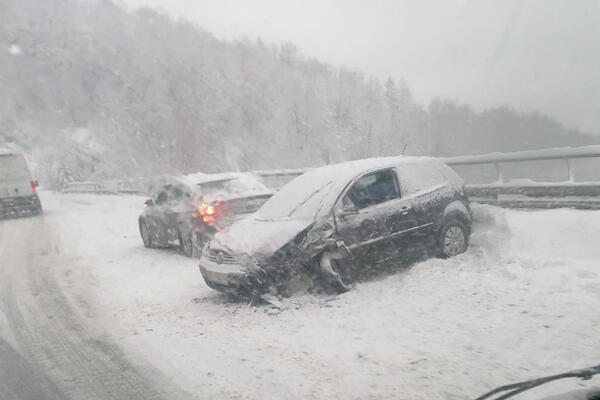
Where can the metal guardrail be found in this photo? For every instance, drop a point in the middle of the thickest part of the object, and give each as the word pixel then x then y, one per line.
pixel 525 193
pixel 102 187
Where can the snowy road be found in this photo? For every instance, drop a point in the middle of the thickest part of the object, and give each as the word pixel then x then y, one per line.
pixel 87 313
pixel 51 345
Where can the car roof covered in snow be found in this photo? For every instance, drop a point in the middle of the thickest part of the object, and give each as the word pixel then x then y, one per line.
pixel 314 192
pixel 347 170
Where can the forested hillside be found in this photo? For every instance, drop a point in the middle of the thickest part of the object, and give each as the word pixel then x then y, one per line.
pixel 91 87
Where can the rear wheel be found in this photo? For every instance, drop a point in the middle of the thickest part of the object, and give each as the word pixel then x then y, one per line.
pixel 191 245
pixel 453 239
pixel 186 243
pixel 145 234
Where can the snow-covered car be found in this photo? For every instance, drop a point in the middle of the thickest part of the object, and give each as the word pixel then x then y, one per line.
pixel 329 224
pixel 18 192
pixel 189 210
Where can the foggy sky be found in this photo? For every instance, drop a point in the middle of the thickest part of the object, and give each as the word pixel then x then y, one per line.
pixel 533 55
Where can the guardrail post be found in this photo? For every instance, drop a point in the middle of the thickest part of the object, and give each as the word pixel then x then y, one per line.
pixel 570 170
pixel 499 175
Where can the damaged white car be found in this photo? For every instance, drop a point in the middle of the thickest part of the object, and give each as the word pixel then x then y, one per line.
pixel 332 223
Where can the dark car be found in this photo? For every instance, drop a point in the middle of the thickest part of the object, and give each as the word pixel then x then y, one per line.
pixel 331 223
pixel 189 210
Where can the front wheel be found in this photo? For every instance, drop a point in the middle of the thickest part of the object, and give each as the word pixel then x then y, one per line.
pixel 333 274
pixel 453 239
pixel 145 234
pixel 341 280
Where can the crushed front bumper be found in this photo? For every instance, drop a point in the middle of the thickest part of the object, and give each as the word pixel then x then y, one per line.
pixel 225 278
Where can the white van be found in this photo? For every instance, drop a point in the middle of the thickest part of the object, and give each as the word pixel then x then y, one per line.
pixel 18 192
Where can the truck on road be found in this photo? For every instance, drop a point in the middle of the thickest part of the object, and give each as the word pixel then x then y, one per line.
pixel 18 191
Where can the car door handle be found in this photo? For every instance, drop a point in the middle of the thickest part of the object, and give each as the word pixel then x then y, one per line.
pixel 405 209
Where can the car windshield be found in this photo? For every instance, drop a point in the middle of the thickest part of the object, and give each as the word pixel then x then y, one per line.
pixel 234 187
pixel 310 198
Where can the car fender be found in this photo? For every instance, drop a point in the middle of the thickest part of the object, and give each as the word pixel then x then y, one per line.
pixel 457 206
pixel 456 209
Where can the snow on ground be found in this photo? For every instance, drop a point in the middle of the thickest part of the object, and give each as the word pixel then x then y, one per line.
pixel 523 302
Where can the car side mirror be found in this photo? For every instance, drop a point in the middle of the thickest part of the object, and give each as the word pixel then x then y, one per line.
pixel 149 202
pixel 348 210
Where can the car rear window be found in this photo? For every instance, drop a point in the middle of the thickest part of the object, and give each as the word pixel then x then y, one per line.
pixel 235 186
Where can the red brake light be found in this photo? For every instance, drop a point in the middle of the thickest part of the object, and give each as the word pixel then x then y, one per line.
pixel 33 187
pixel 206 209
pixel 211 212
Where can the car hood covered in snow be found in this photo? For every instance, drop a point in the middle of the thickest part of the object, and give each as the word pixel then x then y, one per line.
pixel 257 237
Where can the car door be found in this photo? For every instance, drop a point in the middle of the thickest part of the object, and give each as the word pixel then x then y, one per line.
pixel 425 186
pixel 171 212
pixel 178 212
pixel 371 214
pixel 156 216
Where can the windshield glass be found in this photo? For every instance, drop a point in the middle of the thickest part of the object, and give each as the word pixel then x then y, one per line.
pixel 310 198
pixel 245 186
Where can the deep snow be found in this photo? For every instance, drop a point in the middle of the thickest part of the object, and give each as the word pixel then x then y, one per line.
pixel 523 302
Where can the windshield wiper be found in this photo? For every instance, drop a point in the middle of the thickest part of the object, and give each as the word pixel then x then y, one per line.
pixel 516 388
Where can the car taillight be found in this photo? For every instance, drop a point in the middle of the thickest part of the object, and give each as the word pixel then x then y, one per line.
pixel 211 212
pixel 33 187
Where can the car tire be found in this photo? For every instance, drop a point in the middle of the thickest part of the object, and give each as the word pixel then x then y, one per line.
pixel 341 285
pixel 186 244
pixel 453 239
pixel 145 234
pixel 337 279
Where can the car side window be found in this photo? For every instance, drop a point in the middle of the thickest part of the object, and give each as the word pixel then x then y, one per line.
pixel 420 176
pixel 372 189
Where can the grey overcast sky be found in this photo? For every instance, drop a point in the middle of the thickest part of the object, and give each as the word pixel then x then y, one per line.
pixel 539 55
